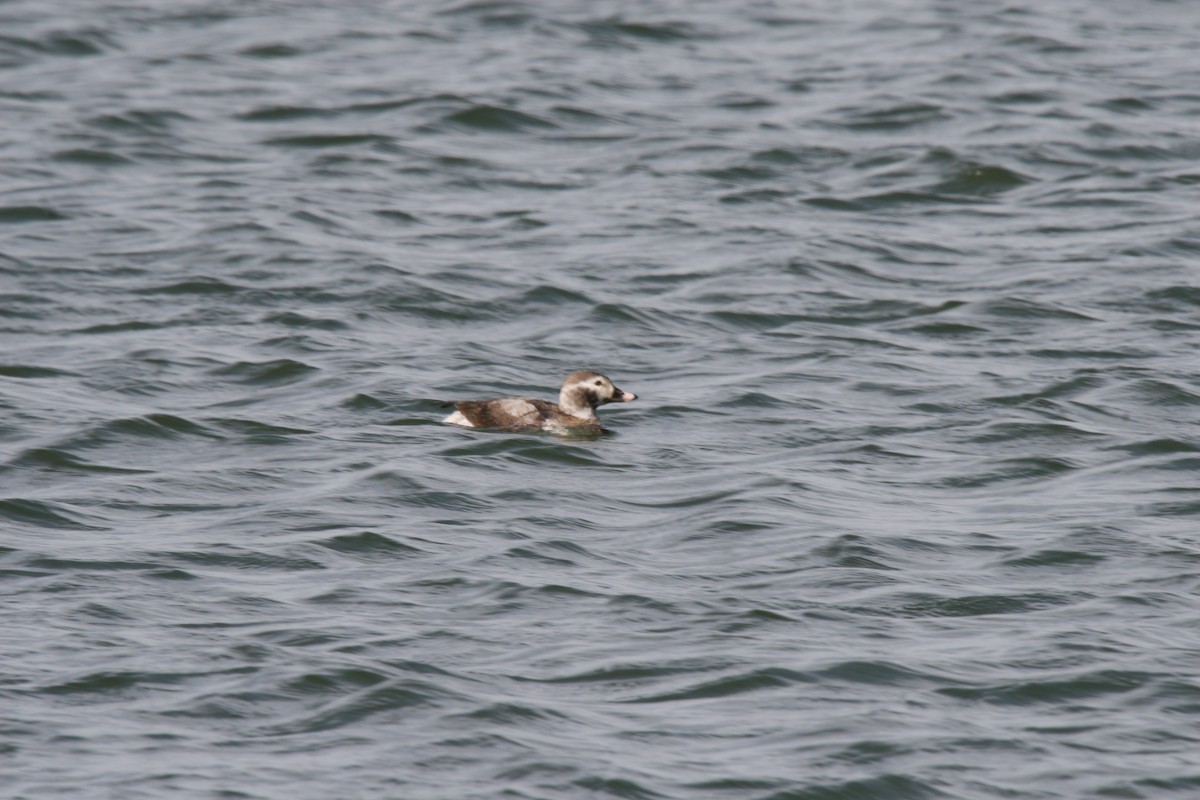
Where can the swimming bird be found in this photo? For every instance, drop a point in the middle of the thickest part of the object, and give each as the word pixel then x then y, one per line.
pixel 575 410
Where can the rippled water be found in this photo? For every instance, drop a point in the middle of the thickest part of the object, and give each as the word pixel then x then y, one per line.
pixel 907 507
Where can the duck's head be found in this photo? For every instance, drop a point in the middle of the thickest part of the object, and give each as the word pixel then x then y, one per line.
pixel 583 391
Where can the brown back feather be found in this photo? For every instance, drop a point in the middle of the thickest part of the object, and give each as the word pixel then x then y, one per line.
pixel 507 412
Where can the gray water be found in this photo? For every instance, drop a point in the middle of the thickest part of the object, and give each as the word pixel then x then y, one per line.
pixel 907 506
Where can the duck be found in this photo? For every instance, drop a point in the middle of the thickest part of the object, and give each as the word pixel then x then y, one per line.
pixel 582 392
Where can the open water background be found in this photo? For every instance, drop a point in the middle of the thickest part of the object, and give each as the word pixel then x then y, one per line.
pixel 907 508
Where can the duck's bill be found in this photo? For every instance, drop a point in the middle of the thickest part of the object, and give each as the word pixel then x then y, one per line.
pixel 622 396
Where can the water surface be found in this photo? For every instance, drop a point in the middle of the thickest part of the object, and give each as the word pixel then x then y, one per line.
pixel 907 507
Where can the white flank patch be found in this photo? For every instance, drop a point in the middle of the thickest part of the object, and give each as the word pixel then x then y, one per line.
pixel 458 419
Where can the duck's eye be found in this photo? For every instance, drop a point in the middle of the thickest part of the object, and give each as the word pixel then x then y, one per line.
pixel 598 383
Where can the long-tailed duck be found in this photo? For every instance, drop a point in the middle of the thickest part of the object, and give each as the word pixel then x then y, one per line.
pixel 575 410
